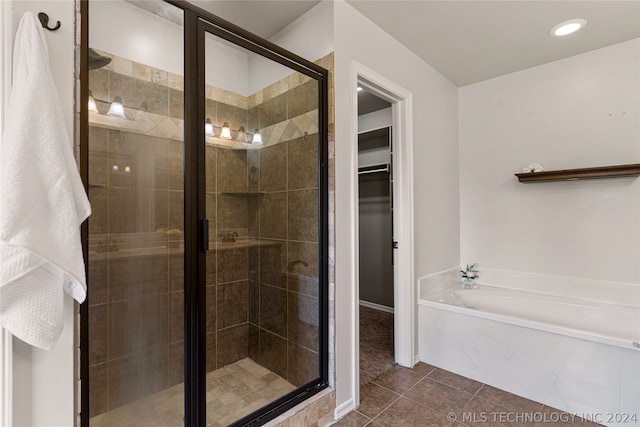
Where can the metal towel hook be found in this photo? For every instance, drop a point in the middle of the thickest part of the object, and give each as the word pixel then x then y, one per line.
pixel 44 20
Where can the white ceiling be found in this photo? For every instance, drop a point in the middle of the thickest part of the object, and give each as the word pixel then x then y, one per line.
pixel 467 41
pixel 471 41
pixel 262 17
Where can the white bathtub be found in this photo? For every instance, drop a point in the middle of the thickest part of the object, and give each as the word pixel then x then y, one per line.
pixel 580 354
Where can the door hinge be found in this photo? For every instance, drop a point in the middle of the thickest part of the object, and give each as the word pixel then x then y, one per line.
pixel 394 245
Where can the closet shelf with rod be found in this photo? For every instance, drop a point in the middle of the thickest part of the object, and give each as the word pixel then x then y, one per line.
pixel 383 167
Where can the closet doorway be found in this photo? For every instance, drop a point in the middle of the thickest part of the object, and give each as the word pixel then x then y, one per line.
pixel 376 236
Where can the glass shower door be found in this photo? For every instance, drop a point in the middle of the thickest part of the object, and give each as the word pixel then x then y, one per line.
pixel 207 246
pixel 262 203
pixel 136 189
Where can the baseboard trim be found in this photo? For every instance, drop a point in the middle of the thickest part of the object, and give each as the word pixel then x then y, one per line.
pixel 6 378
pixel 344 408
pixel 375 306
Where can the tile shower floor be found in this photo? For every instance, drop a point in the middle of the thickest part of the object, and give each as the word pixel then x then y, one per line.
pixel 427 396
pixel 232 392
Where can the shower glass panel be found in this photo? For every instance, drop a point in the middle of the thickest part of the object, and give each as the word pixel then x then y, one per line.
pixel 262 268
pixel 231 131
pixel 135 234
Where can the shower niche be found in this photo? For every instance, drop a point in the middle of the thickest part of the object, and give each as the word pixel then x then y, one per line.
pixel 207 246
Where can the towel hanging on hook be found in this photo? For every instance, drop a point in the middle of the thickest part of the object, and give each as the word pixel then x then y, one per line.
pixel 42 200
pixel 44 20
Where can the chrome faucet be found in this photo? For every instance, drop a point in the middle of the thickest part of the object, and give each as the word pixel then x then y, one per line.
pixel 112 245
pixel 229 236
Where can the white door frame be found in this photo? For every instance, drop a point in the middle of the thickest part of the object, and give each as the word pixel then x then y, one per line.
pixel 404 290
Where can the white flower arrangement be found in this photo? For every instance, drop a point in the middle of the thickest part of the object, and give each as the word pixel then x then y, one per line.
pixel 471 272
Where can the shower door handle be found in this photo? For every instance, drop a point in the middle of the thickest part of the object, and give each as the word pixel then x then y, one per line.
pixel 204 234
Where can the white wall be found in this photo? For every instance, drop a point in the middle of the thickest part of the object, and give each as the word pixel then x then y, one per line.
pixel 577 112
pixel 436 199
pixel 130 32
pixel 226 66
pixel 145 38
pixel 310 36
pixel 44 381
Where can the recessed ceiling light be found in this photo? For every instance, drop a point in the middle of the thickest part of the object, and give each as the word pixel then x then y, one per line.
pixel 568 27
pixel 359 88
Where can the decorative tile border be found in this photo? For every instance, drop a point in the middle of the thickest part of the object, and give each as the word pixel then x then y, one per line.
pixel 151 124
pixel 278 88
pixel 297 127
pixel 147 73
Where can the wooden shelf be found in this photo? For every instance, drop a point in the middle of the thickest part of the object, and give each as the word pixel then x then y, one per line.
pixel 618 171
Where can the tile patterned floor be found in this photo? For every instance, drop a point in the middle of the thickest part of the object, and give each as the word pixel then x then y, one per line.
pixel 427 396
pixel 232 392
pixel 376 343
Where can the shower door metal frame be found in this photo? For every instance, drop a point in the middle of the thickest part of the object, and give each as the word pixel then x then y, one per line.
pixel 196 23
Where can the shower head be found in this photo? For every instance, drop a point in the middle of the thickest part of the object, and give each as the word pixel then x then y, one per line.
pixel 96 60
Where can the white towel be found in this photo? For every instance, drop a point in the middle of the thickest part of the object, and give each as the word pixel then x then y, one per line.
pixel 42 200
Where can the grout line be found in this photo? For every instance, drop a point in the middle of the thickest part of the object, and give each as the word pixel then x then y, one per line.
pixel 386 388
pixel 473 397
pixel 366 416
pixel 454 387
pixel 387 407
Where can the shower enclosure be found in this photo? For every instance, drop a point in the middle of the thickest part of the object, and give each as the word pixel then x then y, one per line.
pixel 205 161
